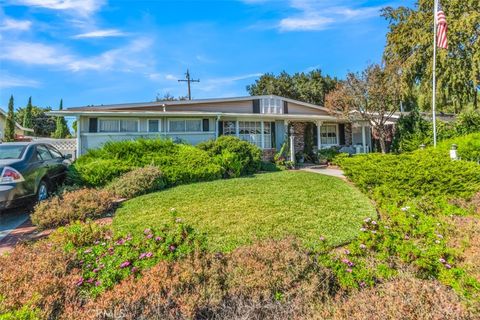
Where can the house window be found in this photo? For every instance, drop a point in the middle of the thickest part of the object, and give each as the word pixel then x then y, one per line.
pixel 185 125
pixel 128 126
pixel 118 125
pixel 267 135
pixel 329 134
pixel 229 128
pixel 154 125
pixel 271 106
pixel 251 131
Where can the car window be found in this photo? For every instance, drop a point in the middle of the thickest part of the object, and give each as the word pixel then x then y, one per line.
pixel 55 153
pixel 43 153
pixel 11 151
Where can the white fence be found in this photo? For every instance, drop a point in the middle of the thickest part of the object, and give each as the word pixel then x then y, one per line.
pixel 65 146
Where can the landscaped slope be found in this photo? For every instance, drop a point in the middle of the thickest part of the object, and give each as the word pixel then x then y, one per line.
pixel 237 211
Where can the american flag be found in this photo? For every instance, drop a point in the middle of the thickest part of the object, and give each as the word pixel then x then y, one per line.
pixel 442 27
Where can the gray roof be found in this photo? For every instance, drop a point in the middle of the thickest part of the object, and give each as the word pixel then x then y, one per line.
pixel 16 124
pixel 185 102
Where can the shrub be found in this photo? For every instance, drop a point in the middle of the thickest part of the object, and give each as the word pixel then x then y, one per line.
pixel 179 163
pixel 137 182
pixel 328 155
pixel 468 147
pixel 80 205
pixel 403 298
pixel 238 157
pixel 39 278
pixel 268 280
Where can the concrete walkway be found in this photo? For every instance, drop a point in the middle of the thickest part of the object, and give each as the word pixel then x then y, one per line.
pixel 10 220
pixel 326 171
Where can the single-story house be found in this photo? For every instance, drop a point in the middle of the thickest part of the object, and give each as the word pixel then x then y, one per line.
pixel 19 130
pixel 266 121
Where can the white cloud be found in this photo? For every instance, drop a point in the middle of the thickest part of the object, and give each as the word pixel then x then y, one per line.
pixel 105 33
pixel 34 53
pixel 124 59
pixel 315 15
pixel 171 77
pixel 9 81
pixel 15 25
pixel 222 82
pixel 81 7
pixel 305 23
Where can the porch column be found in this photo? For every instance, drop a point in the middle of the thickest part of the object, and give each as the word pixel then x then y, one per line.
pixel 237 129
pixel 79 138
pixel 262 136
pixel 216 126
pixel 292 145
pixel 364 139
pixel 319 135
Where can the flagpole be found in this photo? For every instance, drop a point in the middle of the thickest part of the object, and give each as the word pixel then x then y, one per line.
pixel 434 95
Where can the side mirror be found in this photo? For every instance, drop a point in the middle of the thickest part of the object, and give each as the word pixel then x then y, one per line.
pixel 67 156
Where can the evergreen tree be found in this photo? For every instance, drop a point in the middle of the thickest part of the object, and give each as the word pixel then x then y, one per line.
pixel 10 125
pixel 27 120
pixel 61 130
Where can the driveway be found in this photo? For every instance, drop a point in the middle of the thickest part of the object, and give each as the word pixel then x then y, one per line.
pixel 10 220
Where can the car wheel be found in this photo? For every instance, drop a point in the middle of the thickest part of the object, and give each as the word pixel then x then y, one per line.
pixel 42 193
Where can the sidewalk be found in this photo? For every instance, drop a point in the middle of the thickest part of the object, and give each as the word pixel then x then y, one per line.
pixel 326 171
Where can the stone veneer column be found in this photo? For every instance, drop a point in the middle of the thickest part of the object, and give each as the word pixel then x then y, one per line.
pixel 348 134
pixel 299 131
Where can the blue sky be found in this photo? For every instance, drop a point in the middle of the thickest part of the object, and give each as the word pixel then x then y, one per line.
pixel 100 51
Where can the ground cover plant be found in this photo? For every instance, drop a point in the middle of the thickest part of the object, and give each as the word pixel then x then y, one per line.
pixel 417 194
pixel 274 205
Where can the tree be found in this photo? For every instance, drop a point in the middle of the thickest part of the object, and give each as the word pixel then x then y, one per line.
pixel 410 43
pixel 43 124
pixel 169 97
pixel 373 94
pixel 308 87
pixel 27 117
pixel 10 124
pixel 61 131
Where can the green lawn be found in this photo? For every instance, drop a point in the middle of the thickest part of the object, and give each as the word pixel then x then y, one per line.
pixel 238 211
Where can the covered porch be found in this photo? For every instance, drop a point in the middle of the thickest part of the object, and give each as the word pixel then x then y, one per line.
pixel 312 136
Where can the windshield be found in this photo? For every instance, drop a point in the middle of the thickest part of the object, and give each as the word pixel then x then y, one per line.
pixel 11 151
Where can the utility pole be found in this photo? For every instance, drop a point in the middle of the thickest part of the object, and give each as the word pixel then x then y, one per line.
pixel 188 80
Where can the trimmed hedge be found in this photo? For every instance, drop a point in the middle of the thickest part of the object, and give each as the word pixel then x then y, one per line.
pixel 179 163
pixel 237 157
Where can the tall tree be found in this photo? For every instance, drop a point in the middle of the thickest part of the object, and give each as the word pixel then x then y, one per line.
pixel 61 131
pixel 27 118
pixel 373 95
pixel 43 124
pixel 10 124
pixel 410 42
pixel 309 87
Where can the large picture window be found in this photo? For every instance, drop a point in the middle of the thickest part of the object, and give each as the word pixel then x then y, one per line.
pixel 250 131
pixel 185 125
pixel 329 134
pixel 118 125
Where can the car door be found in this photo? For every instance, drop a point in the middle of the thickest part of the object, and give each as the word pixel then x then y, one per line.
pixel 34 171
pixel 59 168
pixel 47 160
